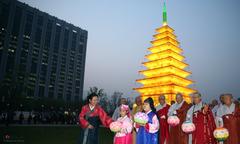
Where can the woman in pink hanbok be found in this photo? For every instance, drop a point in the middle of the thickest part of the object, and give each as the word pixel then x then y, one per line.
pixel 124 136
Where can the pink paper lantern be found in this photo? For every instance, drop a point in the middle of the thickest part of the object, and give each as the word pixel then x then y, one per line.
pixel 141 118
pixel 115 126
pixel 173 120
pixel 188 127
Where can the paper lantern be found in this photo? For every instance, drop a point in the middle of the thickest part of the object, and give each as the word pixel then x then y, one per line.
pixel 115 126
pixel 188 127
pixel 173 120
pixel 141 118
pixel 221 134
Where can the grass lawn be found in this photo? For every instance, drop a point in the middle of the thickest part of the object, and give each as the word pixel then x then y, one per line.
pixel 47 135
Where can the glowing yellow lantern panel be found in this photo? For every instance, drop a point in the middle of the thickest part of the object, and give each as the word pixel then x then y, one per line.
pixel 165 62
pixel 165 71
pixel 164 54
pixel 168 79
pixel 164 89
pixel 164 28
pixel 165 34
pixel 163 47
pixel 164 40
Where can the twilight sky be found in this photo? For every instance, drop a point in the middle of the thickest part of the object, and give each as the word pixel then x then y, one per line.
pixel 120 32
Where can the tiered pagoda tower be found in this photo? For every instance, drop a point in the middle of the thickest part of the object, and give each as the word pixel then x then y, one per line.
pixel 165 69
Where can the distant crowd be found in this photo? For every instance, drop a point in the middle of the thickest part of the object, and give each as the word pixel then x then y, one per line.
pixel 48 116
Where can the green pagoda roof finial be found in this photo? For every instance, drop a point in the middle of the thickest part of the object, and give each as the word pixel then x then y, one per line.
pixel 164 14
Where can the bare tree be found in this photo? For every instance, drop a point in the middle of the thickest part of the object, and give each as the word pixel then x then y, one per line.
pixel 99 92
pixel 115 98
pixel 103 99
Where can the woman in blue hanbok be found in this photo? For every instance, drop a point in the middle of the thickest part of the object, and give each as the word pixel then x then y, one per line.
pixel 148 133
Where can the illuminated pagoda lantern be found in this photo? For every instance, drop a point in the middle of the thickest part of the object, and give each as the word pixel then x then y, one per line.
pixel 165 69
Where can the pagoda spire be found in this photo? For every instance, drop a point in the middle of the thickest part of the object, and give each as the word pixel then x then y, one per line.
pixel 164 14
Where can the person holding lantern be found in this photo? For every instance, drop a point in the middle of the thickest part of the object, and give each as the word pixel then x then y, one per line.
pixel 229 115
pixel 179 109
pixel 137 107
pixel 124 136
pixel 201 116
pixel 90 117
pixel 147 133
pixel 162 111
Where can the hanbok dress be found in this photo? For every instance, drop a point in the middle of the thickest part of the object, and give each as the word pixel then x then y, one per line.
pixel 125 135
pixel 148 134
pixel 94 116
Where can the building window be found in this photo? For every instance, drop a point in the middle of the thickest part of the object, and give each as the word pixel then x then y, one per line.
pixel 28 25
pixel 4 13
pixel 17 21
pixel 65 42
pixel 34 67
pixel 74 41
pixel 57 38
pixel 41 91
pixel 38 34
pixel 80 48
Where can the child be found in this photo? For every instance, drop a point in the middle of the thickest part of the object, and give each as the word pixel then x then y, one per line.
pixel 125 135
pixel 148 133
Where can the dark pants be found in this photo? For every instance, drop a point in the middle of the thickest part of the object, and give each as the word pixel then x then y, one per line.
pixel 92 137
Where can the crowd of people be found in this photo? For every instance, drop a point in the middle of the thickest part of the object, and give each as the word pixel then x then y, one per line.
pixel 205 117
pixel 46 116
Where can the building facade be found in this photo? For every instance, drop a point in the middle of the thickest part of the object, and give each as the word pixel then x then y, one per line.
pixel 41 56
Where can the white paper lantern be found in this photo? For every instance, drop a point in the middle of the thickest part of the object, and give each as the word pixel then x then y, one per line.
pixel 141 118
pixel 173 120
pixel 188 127
pixel 115 126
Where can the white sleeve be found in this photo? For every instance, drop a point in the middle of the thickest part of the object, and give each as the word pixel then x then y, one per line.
pixel 171 110
pixel 154 126
pixel 134 124
pixel 189 114
pixel 219 121
pixel 130 126
pixel 219 112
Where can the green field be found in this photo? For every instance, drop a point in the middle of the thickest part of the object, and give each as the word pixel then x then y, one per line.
pixel 47 135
